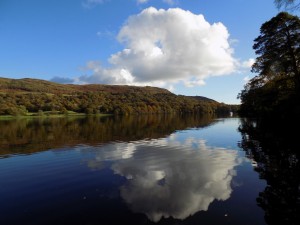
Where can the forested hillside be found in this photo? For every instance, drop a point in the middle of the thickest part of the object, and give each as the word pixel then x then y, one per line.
pixel 20 96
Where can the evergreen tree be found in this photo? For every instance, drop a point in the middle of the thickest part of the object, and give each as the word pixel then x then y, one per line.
pixel 277 84
pixel 278 47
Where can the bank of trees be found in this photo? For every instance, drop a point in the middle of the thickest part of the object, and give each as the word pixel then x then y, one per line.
pixel 130 101
pixel 275 91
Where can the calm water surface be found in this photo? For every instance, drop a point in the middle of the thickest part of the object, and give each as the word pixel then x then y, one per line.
pixel 132 170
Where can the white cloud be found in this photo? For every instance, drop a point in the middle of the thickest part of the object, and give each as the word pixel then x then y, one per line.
pixel 170 177
pixel 163 47
pixel 246 79
pixel 142 1
pixel 170 2
pixel 248 63
pixel 105 34
pixel 106 76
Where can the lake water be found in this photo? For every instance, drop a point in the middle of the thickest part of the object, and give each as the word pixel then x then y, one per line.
pixel 134 170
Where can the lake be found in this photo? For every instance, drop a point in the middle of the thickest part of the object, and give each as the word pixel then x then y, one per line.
pixel 144 170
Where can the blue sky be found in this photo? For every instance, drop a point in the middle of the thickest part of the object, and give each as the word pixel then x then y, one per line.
pixel 191 47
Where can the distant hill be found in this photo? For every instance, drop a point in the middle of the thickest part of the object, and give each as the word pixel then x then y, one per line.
pixel 20 96
pixel 37 85
pixel 201 98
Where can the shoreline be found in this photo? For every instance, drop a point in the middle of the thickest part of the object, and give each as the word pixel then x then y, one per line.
pixel 50 115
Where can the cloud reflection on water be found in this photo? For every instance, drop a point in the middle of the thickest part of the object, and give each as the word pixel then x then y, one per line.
pixel 170 177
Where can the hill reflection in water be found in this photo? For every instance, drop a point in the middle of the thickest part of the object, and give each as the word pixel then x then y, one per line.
pixel 33 135
pixel 134 170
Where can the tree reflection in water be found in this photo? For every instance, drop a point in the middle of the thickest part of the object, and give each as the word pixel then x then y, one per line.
pixel 275 149
pixel 33 135
pixel 135 170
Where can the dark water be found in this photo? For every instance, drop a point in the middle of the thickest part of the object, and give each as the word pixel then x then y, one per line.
pixel 274 145
pixel 143 170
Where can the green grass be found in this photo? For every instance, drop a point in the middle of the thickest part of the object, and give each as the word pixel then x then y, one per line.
pixel 6 117
pixel 50 114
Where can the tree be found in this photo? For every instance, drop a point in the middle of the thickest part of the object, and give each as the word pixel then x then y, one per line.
pixel 287 4
pixel 277 65
pixel 278 47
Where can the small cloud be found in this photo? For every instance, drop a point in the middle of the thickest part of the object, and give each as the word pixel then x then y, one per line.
pixel 246 79
pixel 88 4
pixel 105 33
pixel 142 1
pixel 248 63
pixel 169 2
pixel 193 83
pixel 233 41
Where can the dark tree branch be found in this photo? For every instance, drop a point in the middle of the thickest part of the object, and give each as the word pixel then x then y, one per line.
pixel 290 5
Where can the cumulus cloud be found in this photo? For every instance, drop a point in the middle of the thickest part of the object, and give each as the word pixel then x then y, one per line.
pixel 170 177
pixel 107 76
pixel 163 47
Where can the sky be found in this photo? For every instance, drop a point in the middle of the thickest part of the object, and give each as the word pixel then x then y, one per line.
pixel 190 47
